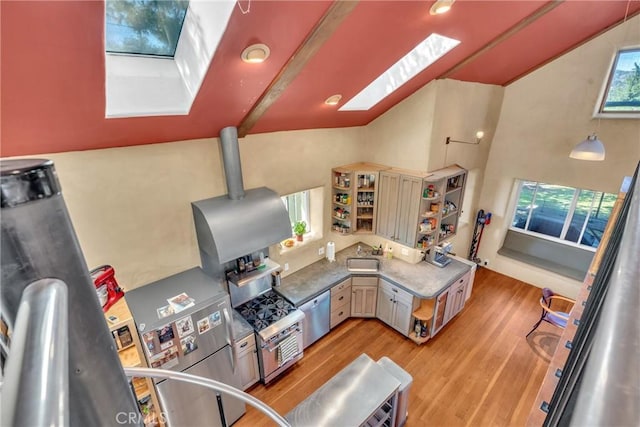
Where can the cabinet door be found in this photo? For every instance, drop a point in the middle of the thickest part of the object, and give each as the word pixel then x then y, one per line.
pixel 387 205
pixel 248 368
pixel 402 315
pixel 357 301
pixel 456 297
pixel 409 198
pixel 385 305
pixel 370 300
pixel 440 311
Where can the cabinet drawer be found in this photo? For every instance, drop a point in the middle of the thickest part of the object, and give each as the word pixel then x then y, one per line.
pixel 340 314
pixel 341 298
pixel 246 344
pixel 340 286
pixel 364 281
pixel 398 292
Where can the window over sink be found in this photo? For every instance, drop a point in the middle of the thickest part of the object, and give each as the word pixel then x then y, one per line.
pixel 305 205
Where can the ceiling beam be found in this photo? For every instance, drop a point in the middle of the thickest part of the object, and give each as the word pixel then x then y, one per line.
pixel 325 27
pixel 502 37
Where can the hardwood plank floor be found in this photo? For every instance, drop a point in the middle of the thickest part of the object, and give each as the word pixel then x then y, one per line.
pixel 479 370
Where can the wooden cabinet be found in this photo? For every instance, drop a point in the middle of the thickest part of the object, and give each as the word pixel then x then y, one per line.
pixel 124 332
pixel 247 360
pixel 388 204
pixel 341 200
pixel 440 205
pixel 399 205
pixel 340 302
pixel 440 311
pixel 394 306
pixel 457 297
pixel 355 198
pixel 364 292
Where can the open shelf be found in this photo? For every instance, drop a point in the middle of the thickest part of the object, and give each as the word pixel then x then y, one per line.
pixel 453 190
pixel 340 219
pixel 130 357
pixel 338 187
pixel 265 269
pixel 449 214
pixel 342 204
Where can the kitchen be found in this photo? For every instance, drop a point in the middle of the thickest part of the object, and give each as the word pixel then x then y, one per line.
pixel 144 201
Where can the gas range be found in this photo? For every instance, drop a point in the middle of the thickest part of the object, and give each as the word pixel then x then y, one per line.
pixel 269 314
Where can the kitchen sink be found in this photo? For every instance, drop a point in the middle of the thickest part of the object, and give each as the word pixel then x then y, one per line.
pixel 363 265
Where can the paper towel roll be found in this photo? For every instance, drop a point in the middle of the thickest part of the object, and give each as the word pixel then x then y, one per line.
pixel 331 251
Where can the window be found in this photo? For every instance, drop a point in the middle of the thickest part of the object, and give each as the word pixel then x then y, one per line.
pixel 297 205
pixel 621 94
pixel 574 216
pixel 144 27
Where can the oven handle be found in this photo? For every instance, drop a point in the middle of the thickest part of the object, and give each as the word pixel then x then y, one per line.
pixel 272 348
pixel 230 339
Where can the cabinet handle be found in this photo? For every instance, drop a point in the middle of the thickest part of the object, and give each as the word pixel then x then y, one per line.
pixel 341 298
pixel 395 290
pixel 391 299
pixel 341 313
pixel 244 344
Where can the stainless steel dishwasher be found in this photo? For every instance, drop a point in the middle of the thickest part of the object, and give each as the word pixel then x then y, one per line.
pixel 317 314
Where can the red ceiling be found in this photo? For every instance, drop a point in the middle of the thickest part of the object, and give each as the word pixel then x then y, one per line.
pixel 52 65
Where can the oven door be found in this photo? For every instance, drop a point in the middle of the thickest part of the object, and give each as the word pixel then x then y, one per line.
pixel 277 357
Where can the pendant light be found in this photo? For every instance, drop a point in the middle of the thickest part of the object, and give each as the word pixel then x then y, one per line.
pixel 589 149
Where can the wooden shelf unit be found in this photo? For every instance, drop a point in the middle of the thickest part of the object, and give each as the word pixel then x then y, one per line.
pixel 131 356
pixel 361 198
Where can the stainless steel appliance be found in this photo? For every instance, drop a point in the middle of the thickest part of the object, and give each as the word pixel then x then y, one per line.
pixel 240 223
pixel 184 323
pixel 279 332
pixel 317 314
pixel 38 241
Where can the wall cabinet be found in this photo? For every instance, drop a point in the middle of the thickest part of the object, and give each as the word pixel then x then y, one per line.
pixel 394 306
pixel 440 206
pixel 364 293
pixel 340 302
pixel 355 198
pixel 247 360
pixel 124 332
pixel 399 206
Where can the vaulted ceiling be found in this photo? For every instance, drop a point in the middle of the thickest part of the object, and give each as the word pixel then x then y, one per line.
pixel 53 64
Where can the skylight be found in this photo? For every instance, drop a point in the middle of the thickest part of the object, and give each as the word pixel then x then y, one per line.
pixel 144 27
pixel 424 54
pixel 622 93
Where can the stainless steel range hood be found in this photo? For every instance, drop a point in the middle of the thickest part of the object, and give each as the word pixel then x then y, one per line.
pixel 242 222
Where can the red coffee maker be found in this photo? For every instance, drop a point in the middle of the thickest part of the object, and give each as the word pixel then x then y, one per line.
pixel 106 285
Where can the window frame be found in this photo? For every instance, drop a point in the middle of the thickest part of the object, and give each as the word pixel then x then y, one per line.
pixel 604 90
pixel 567 220
pixel 306 208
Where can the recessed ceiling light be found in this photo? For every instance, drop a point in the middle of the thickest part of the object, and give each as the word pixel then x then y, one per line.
pixel 441 6
pixel 256 53
pixel 333 100
pixel 426 53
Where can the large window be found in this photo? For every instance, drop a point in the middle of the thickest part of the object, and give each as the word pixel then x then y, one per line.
pixel 297 205
pixel 147 27
pixel 570 215
pixel 622 92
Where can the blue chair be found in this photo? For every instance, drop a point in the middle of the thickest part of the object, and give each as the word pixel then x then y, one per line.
pixel 556 318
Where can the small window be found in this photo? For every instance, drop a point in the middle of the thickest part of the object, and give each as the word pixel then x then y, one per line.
pixel 571 215
pixel 622 93
pixel 297 205
pixel 144 27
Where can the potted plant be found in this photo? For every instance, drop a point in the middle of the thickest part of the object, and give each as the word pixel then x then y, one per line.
pixel 299 228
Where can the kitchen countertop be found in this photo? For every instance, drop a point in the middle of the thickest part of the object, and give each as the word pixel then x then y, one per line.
pixel 241 328
pixel 347 399
pixel 422 280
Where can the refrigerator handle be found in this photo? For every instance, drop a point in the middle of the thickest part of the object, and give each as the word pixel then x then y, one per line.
pixel 230 339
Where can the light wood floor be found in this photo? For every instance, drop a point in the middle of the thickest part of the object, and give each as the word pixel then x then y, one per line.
pixel 479 370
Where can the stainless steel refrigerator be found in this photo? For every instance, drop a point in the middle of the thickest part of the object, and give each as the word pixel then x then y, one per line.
pixel 184 323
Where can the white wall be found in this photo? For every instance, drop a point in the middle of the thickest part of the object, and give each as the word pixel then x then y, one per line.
pixel 544 115
pixel 131 207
